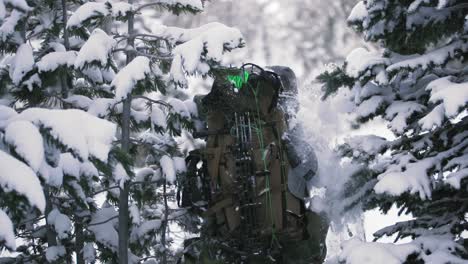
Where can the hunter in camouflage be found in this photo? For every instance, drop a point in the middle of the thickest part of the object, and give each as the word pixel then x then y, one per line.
pixel 254 173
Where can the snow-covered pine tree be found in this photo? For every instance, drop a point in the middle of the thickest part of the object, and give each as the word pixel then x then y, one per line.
pixel 418 83
pixel 129 77
pixel 61 147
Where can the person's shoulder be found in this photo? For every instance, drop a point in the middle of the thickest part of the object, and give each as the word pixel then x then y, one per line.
pixel 287 77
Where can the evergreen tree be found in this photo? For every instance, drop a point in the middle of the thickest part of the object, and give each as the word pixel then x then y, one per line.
pixel 94 58
pixel 303 34
pixel 418 83
pixel 62 147
pixel 141 98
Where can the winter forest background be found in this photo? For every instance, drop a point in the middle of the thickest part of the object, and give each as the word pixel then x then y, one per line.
pixel 96 108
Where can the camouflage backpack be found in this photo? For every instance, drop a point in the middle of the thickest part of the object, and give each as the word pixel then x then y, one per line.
pixel 253 181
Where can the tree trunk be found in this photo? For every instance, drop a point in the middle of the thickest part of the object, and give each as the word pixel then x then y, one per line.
pixel 79 241
pixel 51 236
pixel 124 192
pixel 164 224
pixel 66 42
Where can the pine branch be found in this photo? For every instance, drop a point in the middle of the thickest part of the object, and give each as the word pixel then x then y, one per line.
pixel 103 222
pixel 160 102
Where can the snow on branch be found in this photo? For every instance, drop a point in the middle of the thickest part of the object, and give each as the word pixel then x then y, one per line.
pixel 7 234
pixel 360 60
pixel 103 224
pixel 126 79
pixel 17 176
pixel 96 50
pixel 60 222
pixel 87 11
pixel 399 112
pixel 92 10
pixel 22 63
pixel 8 26
pixel 18 4
pixel 53 60
pixel 428 249
pixel 453 96
pixel 358 252
pixel 176 6
pixel 27 142
pixel 95 137
pixel 436 57
pixel 407 175
pixel 200 48
pixel 359 13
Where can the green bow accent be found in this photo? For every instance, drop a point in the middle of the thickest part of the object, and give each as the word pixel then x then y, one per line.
pixel 239 80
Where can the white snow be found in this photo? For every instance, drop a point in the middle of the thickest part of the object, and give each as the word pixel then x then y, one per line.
pixel 100 107
pixel 169 171
pixel 361 60
pixel 148 226
pixel 52 175
pixel 191 107
pixel 134 212
pixel 358 252
pixel 91 10
pixel 94 74
pixel 126 79
pixel 103 224
pixel 87 11
pixel 454 96
pixel 16 176
pixel 179 164
pixel 54 253
pixel 29 83
pixel 26 140
pixel 87 169
pixel 6 113
pixel 70 166
pixel 433 119
pixel 51 61
pixel 181 35
pixel 79 101
pixel 22 63
pixel 358 13
pixel 89 253
pixel 158 117
pixel 369 143
pixel 431 249
pixel 142 173
pixel 20 4
pixel 108 74
pixel 207 43
pixel 442 4
pixel 120 175
pixel 7 235
pixel 140 116
pixel 2 10
pixel 455 178
pixel 395 181
pixel 398 113
pixel 9 24
pixel 431 59
pixel 120 8
pixel 96 49
pixel 415 5
pixel 369 106
pixel 192 4
pixel 178 107
pixel 60 222
pixel 79 131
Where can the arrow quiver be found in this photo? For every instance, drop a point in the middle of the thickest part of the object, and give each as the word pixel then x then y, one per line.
pixel 246 165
